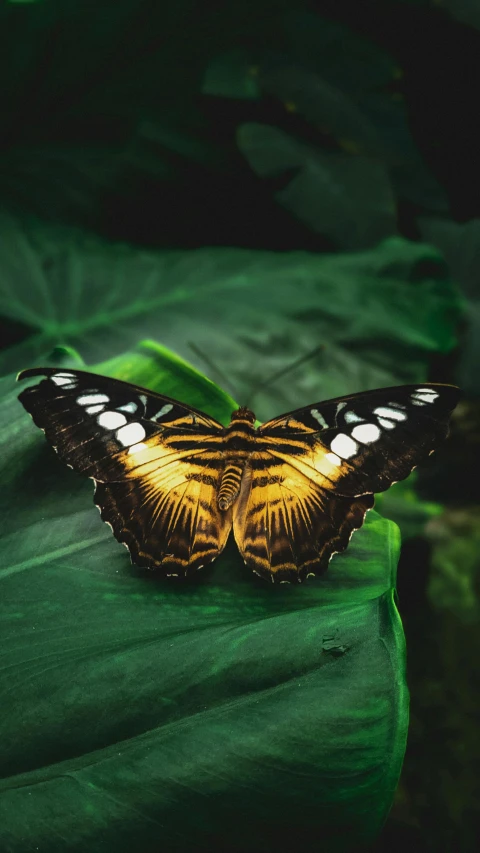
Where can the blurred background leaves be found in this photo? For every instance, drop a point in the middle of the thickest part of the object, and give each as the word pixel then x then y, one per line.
pixel 253 183
pixel 379 316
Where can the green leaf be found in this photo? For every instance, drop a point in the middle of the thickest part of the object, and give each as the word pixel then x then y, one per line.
pixel 344 196
pixel 348 87
pixel 378 315
pixel 152 714
pixel 454 537
pixel 159 369
pixel 324 105
pixel 402 505
pixel 231 75
pixel 459 244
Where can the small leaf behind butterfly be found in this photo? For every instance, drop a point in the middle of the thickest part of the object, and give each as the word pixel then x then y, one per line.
pixel 159 369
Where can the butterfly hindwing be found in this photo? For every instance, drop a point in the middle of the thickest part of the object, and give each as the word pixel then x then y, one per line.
pixel 365 442
pixel 170 519
pixel 155 462
pixel 287 527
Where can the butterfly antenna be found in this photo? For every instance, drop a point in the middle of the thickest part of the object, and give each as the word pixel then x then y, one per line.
pixel 279 373
pixel 213 368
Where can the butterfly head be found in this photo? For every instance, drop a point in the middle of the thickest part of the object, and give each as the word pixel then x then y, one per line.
pixel 243 414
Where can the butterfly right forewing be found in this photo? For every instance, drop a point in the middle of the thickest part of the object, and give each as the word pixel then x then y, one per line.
pixel 365 442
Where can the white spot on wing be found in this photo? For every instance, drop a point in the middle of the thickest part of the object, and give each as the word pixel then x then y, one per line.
pixel 344 446
pixel 63 380
pixel 92 399
pixel 94 410
pixel 425 395
pixel 111 420
pixel 137 448
pixel 128 407
pixel 163 411
pixel 70 381
pixel 366 433
pixel 392 414
pixel 333 458
pixel 319 417
pixel 386 424
pixel 130 434
pixel 339 408
pixel 352 418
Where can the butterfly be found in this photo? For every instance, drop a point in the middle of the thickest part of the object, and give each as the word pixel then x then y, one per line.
pixel 172 482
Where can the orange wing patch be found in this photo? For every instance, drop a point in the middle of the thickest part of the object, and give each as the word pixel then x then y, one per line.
pixel 166 509
pixel 286 525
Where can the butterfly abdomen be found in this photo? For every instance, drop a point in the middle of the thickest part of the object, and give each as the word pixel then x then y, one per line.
pixel 230 485
pixel 239 443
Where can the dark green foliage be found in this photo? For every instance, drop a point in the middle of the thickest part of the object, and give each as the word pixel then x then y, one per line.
pixel 378 315
pixel 270 169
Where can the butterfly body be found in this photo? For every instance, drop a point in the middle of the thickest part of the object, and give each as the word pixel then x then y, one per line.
pixel 172 482
pixel 239 444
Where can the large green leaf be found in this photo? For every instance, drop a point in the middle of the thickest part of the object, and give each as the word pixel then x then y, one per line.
pixel 378 315
pixel 141 714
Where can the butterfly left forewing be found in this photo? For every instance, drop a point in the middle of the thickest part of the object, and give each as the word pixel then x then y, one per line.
pixel 157 464
pixel 93 421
